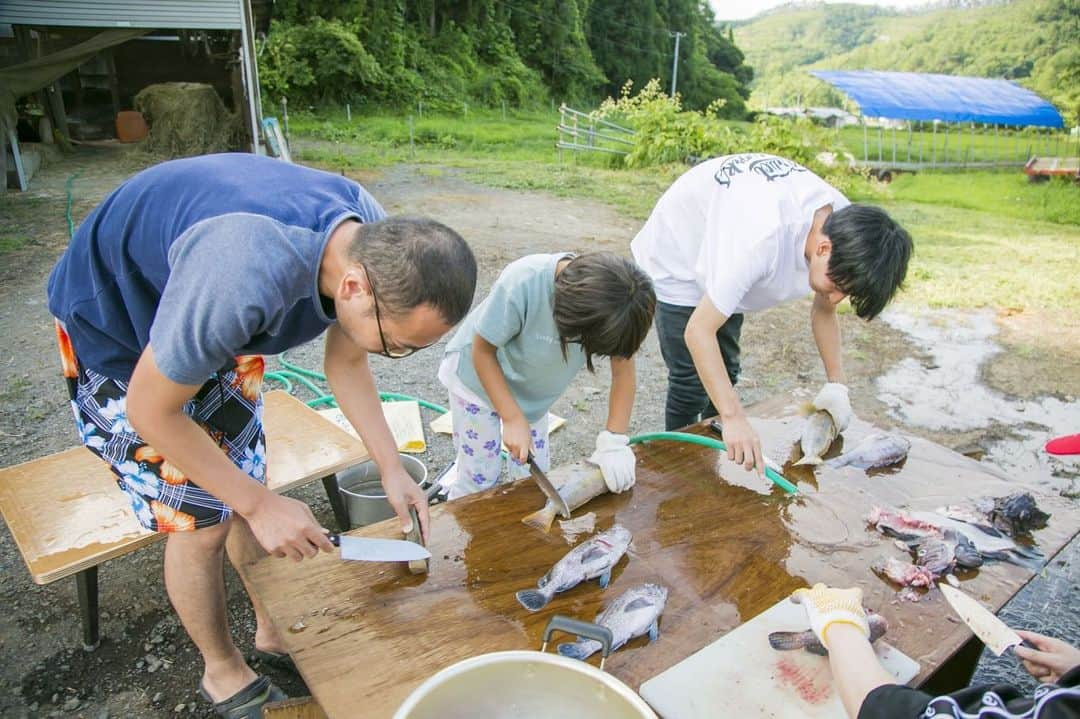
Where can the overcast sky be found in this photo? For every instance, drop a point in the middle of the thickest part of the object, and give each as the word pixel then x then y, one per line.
pixel 743 9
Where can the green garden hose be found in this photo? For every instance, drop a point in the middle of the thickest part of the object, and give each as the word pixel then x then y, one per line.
pixel 301 374
pixel 69 187
pixel 778 480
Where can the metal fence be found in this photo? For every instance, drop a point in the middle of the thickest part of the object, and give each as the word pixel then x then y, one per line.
pixel 958 146
pixel 581 132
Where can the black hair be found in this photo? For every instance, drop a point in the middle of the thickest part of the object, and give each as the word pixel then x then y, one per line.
pixel 605 303
pixel 870 253
pixel 417 261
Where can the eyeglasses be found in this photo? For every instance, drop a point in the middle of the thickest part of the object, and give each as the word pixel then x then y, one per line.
pixel 387 352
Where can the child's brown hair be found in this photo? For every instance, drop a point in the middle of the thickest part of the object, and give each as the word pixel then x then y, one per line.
pixel 605 303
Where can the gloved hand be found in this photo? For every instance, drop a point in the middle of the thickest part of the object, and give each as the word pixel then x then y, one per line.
pixel 615 459
pixel 827 605
pixel 833 398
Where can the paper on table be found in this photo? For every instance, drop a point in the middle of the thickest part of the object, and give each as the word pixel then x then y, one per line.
pixel 403 418
pixel 444 423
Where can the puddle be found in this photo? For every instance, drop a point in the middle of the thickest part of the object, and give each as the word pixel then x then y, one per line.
pixel 944 391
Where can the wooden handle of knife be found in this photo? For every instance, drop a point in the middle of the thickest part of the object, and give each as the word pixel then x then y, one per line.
pixel 417 566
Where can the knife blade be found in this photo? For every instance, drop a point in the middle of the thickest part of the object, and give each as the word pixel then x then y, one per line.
pixel 994 633
pixel 369 549
pixel 548 488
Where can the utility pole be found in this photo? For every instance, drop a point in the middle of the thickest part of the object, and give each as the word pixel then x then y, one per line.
pixel 675 61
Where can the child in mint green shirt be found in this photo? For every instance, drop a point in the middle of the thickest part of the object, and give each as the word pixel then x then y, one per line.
pixel 545 318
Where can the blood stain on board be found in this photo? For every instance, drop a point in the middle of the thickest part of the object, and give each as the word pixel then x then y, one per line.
pixel 812 684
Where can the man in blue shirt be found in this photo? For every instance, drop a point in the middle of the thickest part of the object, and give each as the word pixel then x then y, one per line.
pixel 165 300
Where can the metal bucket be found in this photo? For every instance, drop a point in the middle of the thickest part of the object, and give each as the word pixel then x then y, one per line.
pixel 527 685
pixel 362 493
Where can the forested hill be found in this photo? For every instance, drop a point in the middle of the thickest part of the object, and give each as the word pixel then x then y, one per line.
pixel 1033 42
pixel 523 52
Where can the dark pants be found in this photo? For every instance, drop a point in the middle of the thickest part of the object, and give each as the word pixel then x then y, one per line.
pixel 687 401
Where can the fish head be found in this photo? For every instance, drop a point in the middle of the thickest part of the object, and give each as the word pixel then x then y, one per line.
pixel 618 536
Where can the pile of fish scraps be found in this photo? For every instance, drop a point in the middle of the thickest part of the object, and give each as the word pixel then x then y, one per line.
pixel 958 536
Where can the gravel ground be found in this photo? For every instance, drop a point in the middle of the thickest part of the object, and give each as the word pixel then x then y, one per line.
pixel 146 666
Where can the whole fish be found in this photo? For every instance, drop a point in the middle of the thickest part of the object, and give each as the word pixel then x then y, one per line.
pixel 818 434
pixel 903 573
pixel 786 641
pixel 989 546
pixel 877 450
pixel 1017 514
pixel 576 484
pixel 633 613
pixel 595 557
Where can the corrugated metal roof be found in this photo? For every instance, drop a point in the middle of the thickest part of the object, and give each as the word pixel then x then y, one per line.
pixel 179 14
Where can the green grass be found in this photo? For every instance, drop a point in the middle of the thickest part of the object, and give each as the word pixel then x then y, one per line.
pixel 971 258
pixel 10 243
pixel 982 238
pixel 1006 194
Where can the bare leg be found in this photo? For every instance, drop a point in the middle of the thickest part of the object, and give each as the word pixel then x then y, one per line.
pixel 243 548
pixel 195 582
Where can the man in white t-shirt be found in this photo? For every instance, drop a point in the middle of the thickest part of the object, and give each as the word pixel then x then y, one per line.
pixel 747 232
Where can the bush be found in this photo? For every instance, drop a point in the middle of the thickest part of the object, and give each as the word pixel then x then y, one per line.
pixel 666 133
pixel 317 62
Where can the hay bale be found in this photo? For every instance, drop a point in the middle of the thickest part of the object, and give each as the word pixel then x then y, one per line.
pixel 186 118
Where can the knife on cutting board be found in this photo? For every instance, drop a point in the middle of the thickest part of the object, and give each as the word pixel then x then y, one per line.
pixel 991 631
pixel 548 488
pixel 370 549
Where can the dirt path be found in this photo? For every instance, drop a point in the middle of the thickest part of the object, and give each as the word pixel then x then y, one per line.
pixel 43 673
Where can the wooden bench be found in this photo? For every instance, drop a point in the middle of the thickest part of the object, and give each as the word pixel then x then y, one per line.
pixel 67 515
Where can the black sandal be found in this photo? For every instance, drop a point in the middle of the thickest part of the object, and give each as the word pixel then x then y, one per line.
pixel 281 662
pixel 248 702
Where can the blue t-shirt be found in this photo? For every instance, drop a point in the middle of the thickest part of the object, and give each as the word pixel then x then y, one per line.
pixel 204 258
pixel 518 317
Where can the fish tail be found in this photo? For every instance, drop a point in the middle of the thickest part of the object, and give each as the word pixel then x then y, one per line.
pixel 542 518
pixel 786 641
pixel 810 459
pixel 581 649
pixel 532 599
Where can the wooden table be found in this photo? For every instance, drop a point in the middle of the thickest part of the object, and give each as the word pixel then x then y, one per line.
pixel 725 543
pixel 67 515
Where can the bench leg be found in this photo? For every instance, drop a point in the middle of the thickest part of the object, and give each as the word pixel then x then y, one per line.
pixel 332 493
pixel 88 603
pixel 957 671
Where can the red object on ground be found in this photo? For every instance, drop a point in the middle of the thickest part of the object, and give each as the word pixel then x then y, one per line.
pixel 1069 444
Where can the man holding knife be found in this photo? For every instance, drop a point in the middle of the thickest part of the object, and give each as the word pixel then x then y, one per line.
pixel 165 300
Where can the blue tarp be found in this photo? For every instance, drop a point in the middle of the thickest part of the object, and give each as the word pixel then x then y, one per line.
pixel 921 96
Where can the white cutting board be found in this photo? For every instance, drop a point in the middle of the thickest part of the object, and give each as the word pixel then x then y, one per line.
pixel 740 675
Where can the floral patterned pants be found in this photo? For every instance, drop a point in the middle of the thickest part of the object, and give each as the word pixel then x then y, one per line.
pixel 478 440
pixel 228 407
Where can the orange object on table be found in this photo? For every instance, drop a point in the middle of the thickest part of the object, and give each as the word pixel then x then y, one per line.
pixel 130 126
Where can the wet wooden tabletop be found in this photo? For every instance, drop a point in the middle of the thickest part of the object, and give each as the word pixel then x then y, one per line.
pixel 727 545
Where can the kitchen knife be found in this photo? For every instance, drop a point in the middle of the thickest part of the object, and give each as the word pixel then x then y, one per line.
pixel 368 549
pixel 994 633
pixel 548 488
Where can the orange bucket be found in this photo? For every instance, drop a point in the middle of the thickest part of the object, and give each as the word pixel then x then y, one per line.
pixel 130 126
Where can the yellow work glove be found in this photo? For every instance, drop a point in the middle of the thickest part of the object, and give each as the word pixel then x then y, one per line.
pixel 826 606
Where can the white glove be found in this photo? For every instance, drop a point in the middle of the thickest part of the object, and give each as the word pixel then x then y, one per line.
pixel 826 605
pixel 833 398
pixel 615 459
